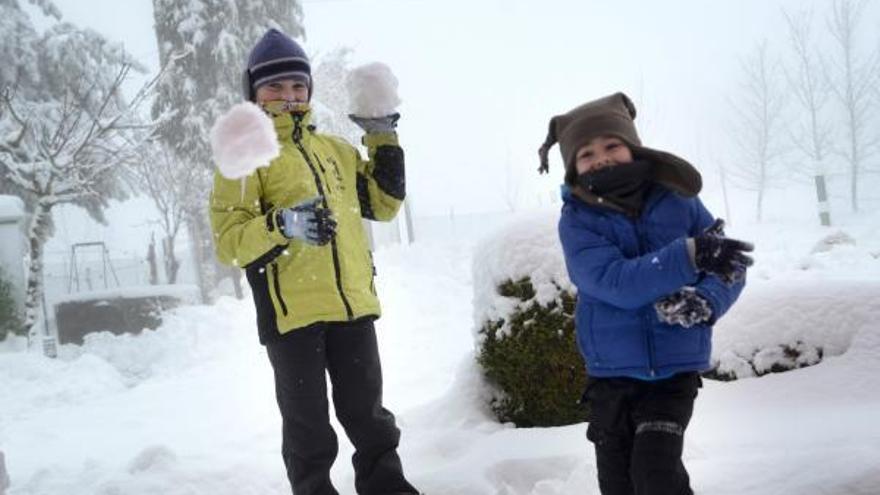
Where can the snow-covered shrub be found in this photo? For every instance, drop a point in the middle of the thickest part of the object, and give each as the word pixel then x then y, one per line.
pixel 533 359
pixel 779 326
pixel 774 359
pixel 827 243
pixel 11 322
pixel 524 308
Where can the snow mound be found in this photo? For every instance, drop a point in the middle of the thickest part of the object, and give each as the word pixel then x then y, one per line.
pixel 242 140
pixel 529 248
pixel 780 324
pixel 828 242
pixel 372 90
pixel 157 457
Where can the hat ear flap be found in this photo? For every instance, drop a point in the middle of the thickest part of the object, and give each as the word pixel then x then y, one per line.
pixel 246 89
pixel 630 106
pixel 543 151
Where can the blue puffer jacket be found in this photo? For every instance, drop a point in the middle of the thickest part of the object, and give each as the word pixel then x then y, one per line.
pixel 620 267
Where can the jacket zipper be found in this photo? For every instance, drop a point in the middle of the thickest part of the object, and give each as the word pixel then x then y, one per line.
pixel 277 283
pixel 323 170
pixel 646 324
pixel 337 270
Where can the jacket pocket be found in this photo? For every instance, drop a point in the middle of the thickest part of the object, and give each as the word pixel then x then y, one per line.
pixel 276 284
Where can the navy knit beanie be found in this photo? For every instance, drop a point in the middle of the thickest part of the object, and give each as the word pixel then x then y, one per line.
pixel 273 58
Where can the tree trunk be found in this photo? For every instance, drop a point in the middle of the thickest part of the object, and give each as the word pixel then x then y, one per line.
pixel 728 217
pixel 760 202
pixel 203 277
pixel 151 260
pixel 38 232
pixel 169 260
pixel 235 275
pixel 854 186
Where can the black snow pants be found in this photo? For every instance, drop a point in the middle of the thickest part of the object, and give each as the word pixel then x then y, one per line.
pixel 349 353
pixel 638 430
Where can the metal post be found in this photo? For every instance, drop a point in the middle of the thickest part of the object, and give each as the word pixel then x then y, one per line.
pixel 822 195
pixel 410 233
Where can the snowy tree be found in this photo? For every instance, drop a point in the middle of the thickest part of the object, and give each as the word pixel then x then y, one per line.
pixel 18 39
pixel 64 131
pixel 854 80
pixel 212 39
pixel 759 113
pixel 331 100
pixel 812 91
pixel 169 184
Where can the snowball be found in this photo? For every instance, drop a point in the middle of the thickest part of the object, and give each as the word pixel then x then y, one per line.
pixel 242 140
pixel 372 90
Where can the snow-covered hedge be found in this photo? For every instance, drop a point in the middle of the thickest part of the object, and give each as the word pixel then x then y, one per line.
pixel 524 313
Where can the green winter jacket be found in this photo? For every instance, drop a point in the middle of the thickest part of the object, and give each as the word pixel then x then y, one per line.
pixel 294 284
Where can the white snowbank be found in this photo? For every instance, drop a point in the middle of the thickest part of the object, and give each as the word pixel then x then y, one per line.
pixel 528 247
pixel 807 316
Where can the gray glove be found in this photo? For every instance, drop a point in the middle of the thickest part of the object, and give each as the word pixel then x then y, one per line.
pixel 308 221
pixel 685 308
pixel 372 125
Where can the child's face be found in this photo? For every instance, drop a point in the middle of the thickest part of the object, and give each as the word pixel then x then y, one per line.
pixel 285 89
pixel 601 152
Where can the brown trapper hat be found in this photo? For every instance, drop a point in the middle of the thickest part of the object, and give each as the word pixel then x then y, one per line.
pixel 614 115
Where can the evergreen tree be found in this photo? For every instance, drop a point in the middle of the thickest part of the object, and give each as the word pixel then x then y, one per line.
pixel 209 41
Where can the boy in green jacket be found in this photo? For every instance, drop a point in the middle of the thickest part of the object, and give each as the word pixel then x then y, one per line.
pixel 295 228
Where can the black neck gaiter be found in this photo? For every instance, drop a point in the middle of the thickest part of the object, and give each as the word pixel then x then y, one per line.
pixel 624 185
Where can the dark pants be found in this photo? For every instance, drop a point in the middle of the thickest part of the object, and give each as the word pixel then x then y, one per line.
pixel 348 351
pixel 638 430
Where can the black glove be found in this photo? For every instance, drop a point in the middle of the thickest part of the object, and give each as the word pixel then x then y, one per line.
pixel 722 256
pixel 716 229
pixel 370 125
pixel 685 308
pixel 308 222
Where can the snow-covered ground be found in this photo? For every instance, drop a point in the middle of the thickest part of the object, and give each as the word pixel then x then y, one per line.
pixel 189 408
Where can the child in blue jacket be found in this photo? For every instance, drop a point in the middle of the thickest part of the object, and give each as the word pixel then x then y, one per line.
pixel 654 272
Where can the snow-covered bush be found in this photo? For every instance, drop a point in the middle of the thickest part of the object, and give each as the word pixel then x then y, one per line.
pixel 11 322
pixel 524 307
pixel 783 325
